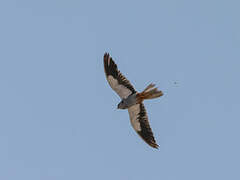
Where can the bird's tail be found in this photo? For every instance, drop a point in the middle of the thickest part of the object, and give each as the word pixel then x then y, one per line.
pixel 150 92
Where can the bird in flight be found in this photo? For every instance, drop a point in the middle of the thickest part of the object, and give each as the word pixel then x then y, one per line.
pixel 132 100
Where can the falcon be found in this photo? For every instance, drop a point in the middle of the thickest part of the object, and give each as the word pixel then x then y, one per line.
pixel 131 99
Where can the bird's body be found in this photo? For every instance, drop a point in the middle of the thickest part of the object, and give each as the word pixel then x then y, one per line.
pixel 132 100
pixel 128 102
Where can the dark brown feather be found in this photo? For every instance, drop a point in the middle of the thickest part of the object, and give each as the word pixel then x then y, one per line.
pixel 146 131
pixel 111 69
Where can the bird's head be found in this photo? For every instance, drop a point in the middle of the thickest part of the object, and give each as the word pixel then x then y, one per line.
pixel 122 105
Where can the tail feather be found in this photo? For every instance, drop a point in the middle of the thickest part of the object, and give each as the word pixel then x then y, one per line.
pixel 149 87
pixel 149 93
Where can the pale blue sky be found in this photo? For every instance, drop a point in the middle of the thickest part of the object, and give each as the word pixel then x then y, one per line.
pixel 58 116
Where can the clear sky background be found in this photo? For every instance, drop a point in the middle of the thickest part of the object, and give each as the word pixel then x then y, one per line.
pixel 58 116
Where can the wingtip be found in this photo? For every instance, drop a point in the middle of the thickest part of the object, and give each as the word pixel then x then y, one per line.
pixel 106 58
pixel 156 146
pixel 106 54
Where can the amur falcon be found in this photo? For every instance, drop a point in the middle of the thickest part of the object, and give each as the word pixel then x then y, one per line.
pixel 132 100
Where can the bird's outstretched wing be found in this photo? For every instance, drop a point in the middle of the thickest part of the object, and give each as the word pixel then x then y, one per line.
pixel 139 121
pixel 115 79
